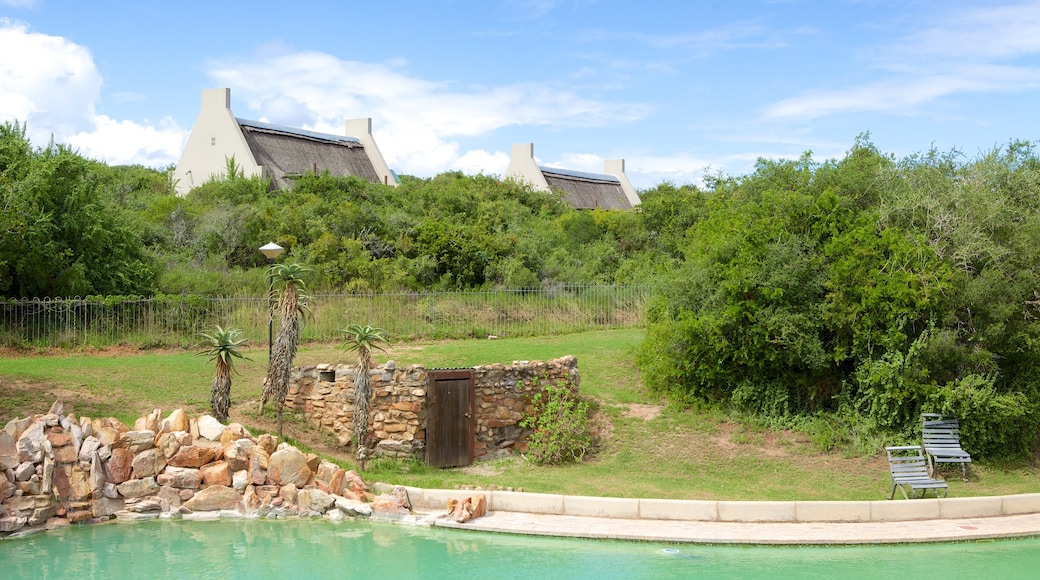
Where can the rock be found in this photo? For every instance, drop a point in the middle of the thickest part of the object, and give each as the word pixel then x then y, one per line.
pixel 128 516
pixel 119 466
pixel 57 408
pixel 30 443
pixel 64 454
pixel 148 463
pixel 110 490
pixel 466 509
pixel 72 484
pixel 289 465
pixel 148 505
pixel 180 477
pixel 8 451
pixel 240 479
pixel 171 496
pixel 401 495
pixel 56 524
pixel 106 507
pixel 312 462
pixel 10 524
pixel 387 506
pixel 288 493
pixel 15 427
pixel 136 441
pixel 216 473
pixel 314 500
pixel 337 482
pixel 136 488
pixel 176 421
pixel 89 448
pixel 168 444
pixel 80 516
pixel 7 488
pixel 58 437
pixel 192 456
pixel 326 470
pixel 214 498
pixel 268 442
pixel 210 428
pixel 258 464
pixel 237 454
pixel 24 471
pixel 354 507
pixel 150 422
pixel 354 483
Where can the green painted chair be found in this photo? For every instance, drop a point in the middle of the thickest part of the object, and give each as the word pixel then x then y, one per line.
pixel 941 439
pixel 910 471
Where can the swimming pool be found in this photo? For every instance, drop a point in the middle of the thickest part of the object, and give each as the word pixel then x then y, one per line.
pixel 255 549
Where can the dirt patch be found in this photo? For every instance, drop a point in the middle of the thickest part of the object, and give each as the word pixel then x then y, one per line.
pixel 641 411
pixel 482 469
pixel 22 398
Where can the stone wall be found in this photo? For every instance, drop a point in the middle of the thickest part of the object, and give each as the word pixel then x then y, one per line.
pixel 324 393
pixel 58 470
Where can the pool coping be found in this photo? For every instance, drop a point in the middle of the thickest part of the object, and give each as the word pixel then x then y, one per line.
pixel 745 522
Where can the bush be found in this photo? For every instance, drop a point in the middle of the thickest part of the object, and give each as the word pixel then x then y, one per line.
pixel 562 433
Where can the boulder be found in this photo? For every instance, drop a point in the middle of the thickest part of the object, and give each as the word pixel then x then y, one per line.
pixel 168 444
pixel 216 473
pixel 468 508
pixel 30 443
pixel 88 448
pixel 105 507
pixel 192 456
pixel 148 463
pixel 180 477
pixel 268 442
pixel 119 466
pixel 240 479
pixel 288 493
pixel 354 483
pixel 314 500
pixel 289 465
pixel 13 523
pixel 353 507
pixel 176 421
pixel 237 454
pixel 8 451
pixel 387 506
pixel 136 441
pixel 214 498
pixel 210 428
pixel 136 488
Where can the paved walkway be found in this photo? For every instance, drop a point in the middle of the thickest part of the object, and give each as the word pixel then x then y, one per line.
pixel 754 533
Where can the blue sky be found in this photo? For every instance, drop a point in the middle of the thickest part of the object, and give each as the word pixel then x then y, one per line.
pixel 675 88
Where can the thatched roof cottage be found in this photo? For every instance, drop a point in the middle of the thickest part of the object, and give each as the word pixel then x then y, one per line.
pixel 273 151
pixel 608 190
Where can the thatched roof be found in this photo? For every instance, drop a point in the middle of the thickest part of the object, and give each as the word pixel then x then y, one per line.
pixel 285 151
pixel 587 190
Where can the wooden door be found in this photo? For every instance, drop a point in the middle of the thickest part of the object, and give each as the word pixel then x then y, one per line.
pixel 450 424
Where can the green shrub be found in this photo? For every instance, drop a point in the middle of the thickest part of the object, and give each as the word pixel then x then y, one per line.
pixel 562 432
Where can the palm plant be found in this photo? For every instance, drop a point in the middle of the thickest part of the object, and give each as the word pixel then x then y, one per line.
pixel 222 346
pixel 292 305
pixel 363 339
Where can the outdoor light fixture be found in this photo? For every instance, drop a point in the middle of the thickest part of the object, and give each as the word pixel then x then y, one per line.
pixel 270 251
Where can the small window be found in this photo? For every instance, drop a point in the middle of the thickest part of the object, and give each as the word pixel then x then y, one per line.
pixel 212 140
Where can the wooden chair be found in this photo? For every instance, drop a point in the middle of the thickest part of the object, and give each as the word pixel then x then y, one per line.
pixel 910 470
pixel 941 439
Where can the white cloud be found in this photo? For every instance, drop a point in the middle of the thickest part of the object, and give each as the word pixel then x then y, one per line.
pixel 126 142
pixel 962 52
pixel 481 161
pixel 52 85
pixel 45 81
pixel 415 121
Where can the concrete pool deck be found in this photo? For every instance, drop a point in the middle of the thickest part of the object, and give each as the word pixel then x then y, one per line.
pixel 746 522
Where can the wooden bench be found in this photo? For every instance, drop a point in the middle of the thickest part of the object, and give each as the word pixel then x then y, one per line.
pixel 941 439
pixel 910 470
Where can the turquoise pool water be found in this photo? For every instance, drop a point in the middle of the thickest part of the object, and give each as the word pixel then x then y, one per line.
pixel 319 549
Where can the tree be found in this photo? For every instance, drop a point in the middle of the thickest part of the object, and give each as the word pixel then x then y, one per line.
pixel 363 339
pixel 58 236
pixel 292 305
pixel 222 346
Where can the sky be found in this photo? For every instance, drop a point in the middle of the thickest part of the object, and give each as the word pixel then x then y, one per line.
pixel 678 89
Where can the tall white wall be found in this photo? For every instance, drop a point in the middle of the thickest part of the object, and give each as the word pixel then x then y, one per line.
pixel 524 169
pixel 214 139
pixel 616 167
pixel 362 129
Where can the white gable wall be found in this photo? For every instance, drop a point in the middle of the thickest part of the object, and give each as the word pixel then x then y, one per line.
pixel 524 169
pixel 214 139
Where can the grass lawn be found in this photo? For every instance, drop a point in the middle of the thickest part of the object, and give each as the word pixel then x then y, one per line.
pixel 648 449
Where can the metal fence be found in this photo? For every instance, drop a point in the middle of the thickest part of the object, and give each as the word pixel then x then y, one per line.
pixel 178 320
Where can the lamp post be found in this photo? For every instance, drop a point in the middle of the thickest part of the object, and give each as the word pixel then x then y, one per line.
pixel 270 251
